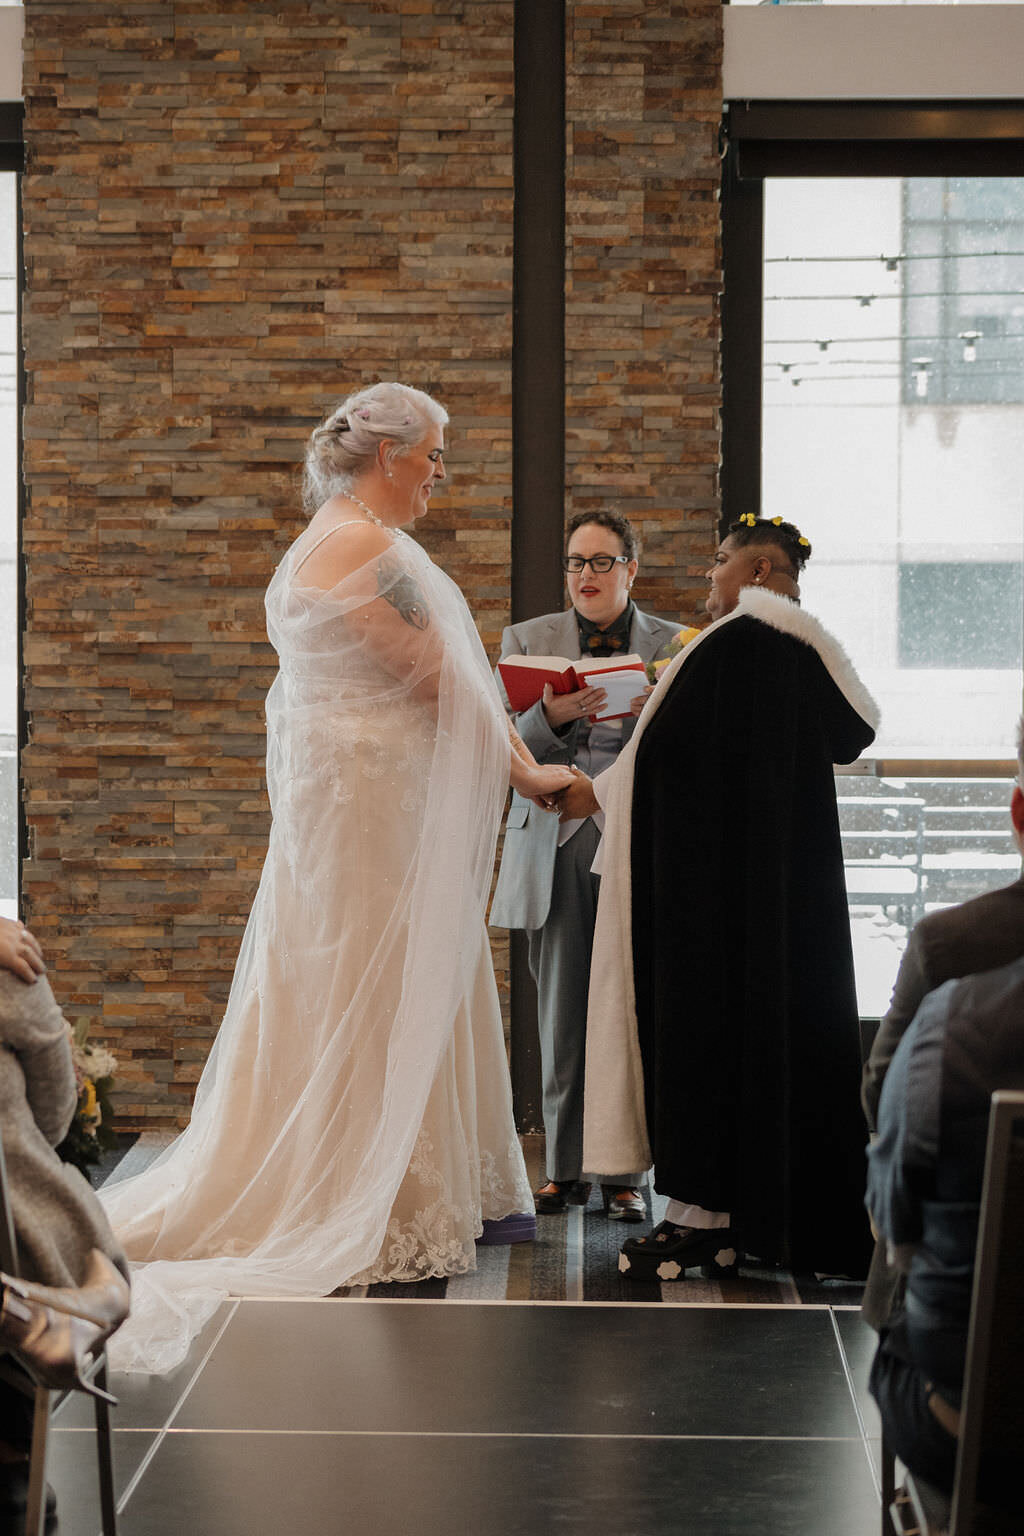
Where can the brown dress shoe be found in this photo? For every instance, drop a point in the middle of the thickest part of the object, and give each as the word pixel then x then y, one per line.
pixel 623 1204
pixel 558 1194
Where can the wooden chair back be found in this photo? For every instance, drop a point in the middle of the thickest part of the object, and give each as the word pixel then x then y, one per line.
pixel 988 1493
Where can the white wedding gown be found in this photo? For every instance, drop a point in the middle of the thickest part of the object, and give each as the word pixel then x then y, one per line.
pixel 354 1120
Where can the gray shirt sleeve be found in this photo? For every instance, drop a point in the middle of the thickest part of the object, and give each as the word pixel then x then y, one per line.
pixel 532 724
pixel 33 1028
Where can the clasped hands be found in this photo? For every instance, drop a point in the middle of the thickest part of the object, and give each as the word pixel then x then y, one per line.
pixel 577 799
pixel 572 800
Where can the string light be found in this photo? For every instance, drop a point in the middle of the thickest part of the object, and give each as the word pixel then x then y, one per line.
pixel 864 341
pixel 833 376
pixel 890 263
pixel 864 299
pixel 970 340
pixel 949 352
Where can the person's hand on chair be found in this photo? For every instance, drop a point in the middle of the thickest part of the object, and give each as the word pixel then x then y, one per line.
pixel 19 950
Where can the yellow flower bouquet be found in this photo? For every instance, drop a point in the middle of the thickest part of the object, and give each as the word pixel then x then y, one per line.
pixel 675 645
pixel 91 1132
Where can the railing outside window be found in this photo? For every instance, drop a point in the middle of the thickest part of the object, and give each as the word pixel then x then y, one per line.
pixel 911 846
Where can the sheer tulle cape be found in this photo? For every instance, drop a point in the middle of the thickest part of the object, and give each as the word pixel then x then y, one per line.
pixel 354 1118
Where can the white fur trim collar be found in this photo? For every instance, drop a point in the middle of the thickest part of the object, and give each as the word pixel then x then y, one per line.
pixel 783 614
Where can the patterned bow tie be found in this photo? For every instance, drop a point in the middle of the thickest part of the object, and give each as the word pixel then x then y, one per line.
pixel 605 642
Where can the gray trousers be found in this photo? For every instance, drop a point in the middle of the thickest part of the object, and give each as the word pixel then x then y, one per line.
pixel 559 958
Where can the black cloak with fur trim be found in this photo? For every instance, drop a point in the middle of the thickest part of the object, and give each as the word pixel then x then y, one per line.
pixel 743 970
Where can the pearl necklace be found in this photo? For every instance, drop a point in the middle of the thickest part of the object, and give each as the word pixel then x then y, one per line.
pixel 368 510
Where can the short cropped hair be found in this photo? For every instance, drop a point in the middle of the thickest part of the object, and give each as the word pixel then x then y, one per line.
pixel 613 521
pixel 772 530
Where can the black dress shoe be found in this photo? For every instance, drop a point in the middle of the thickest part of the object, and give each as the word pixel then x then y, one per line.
pixel 558 1194
pixel 669 1251
pixel 623 1204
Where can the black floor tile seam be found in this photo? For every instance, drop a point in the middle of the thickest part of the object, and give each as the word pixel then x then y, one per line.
pixel 560 1301
pixel 499 1434
pixel 852 1389
pixel 164 1429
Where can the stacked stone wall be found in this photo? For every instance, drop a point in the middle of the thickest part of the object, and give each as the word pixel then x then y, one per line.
pixel 643 236
pixel 232 214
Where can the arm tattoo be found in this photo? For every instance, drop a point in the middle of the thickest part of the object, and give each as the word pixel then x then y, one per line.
pixel 401 591
pixel 519 746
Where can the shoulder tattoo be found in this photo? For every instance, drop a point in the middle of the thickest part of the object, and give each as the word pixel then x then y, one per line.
pixel 401 590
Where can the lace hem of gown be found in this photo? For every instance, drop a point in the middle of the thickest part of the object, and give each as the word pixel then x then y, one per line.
pixel 438 1240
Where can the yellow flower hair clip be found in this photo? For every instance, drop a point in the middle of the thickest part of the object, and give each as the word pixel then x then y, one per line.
pixel 805 542
pixel 748 518
pixel 776 522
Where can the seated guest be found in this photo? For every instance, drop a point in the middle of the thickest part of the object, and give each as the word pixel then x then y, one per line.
pixel 545 884
pixel 924 1189
pixel 723 1032
pixel 62 1235
pixel 978 935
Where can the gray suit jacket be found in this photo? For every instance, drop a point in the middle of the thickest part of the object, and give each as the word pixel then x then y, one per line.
pixel 522 897
pixel 980 935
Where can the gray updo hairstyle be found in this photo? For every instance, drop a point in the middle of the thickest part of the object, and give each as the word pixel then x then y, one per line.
pixel 345 445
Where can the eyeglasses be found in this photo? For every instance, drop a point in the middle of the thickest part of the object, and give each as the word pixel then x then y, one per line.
pixel 599 564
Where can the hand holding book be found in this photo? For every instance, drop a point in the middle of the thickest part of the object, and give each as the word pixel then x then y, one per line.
pixel 614 678
pixel 563 708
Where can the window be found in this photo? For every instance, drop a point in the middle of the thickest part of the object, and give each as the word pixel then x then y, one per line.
pixel 914 505
pixel 868 295
pixel 911 497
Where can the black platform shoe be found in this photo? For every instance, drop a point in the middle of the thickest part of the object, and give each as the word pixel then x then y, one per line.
pixel 669 1251
pixel 558 1194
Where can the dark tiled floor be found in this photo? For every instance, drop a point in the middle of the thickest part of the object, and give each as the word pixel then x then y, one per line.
pixel 495 1418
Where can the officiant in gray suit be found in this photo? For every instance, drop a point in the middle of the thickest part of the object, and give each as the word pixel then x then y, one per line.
pixel 545 884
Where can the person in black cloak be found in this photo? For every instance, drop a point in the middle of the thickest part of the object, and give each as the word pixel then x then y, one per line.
pixel 723 1035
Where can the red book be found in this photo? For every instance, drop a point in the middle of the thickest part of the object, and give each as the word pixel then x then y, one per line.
pixel 525 676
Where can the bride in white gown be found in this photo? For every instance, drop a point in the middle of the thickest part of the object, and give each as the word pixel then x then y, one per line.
pixel 354 1120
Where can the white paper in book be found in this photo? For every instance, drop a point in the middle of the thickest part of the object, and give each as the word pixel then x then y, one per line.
pixel 622 685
